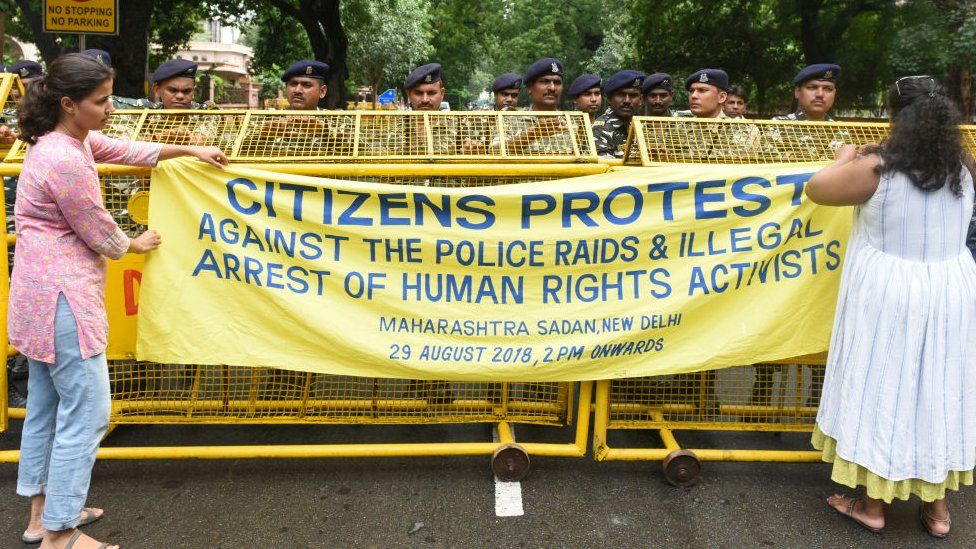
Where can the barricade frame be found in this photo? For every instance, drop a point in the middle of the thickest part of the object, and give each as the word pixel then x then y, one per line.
pixel 509 457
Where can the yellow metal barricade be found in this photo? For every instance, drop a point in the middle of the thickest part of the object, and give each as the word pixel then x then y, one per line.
pixel 779 397
pixel 429 149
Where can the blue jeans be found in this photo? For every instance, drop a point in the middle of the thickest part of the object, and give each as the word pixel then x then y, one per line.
pixel 68 405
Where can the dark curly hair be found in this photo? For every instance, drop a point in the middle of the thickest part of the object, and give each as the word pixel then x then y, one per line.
pixel 72 75
pixel 924 143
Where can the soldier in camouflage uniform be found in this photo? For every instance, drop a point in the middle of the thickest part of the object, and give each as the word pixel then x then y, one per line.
pixel 623 91
pixel 713 142
pixel 658 91
pixel 293 135
pixel 814 91
pixel 533 135
pixel 505 91
pixel 587 95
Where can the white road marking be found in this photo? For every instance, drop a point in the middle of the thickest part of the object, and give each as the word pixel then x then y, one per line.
pixel 508 495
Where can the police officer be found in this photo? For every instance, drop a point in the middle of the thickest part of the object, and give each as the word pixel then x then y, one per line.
pixel 735 103
pixel 28 71
pixel 623 91
pixel 424 89
pixel 101 56
pixel 173 83
pixel 587 95
pixel 814 89
pixel 706 94
pixel 544 81
pixel 305 84
pixel 658 91
pixel 546 134
pixel 505 89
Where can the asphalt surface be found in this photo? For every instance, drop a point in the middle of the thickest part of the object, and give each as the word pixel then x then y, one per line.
pixel 450 501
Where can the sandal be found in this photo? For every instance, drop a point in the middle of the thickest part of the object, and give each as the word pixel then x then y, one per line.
pixel 924 518
pixel 851 504
pixel 88 515
pixel 76 536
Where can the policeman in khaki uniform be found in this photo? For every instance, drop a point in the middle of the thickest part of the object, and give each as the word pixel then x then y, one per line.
pixel 623 91
pixel 587 95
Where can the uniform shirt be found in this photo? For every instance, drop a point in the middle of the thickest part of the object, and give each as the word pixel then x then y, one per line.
pixel 559 142
pixel 64 235
pixel 800 116
pixel 610 134
pixel 793 144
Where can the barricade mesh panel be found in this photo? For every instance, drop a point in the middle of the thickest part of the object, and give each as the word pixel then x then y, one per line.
pixel 145 392
pixel 783 397
pixel 722 141
pixel 362 136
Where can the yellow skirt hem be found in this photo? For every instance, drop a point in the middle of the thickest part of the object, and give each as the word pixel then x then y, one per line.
pixel 853 475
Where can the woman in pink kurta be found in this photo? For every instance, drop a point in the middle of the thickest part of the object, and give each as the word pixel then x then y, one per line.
pixel 57 312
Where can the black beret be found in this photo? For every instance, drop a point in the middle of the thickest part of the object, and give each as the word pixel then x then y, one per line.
pixel 657 80
pixel 542 67
pixel 624 79
pixel 101 56
pixel 822 71
pixel 175 67
pixel 506 81
pixel 424 74
pixel 715 77
pixel 583 83
pixel 307 67
pixel 26 69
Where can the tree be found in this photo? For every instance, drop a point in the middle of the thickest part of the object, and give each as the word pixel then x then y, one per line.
pixel 322 22
pixel 746 38
pixel 466 41
pixel 387 38
pixel 569 31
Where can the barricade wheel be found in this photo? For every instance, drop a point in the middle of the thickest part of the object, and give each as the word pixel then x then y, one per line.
pixel 681 468
pixel 510 462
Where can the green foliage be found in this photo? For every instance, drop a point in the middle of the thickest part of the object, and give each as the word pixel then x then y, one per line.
pixel 387 39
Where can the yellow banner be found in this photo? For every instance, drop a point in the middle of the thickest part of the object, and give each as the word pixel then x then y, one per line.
pixel 639 271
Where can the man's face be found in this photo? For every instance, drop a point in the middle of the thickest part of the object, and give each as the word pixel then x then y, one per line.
pixel 304 92
pixel 176 92
pixel 658 100
pixel 546 92
pixel 705 100
pixel 590 101
pixel 815 97
pixel 506 98
pixel 735 105
pixel 426 97
pixel 625 101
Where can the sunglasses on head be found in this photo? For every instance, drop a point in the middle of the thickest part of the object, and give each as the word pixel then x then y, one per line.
pixel 917 77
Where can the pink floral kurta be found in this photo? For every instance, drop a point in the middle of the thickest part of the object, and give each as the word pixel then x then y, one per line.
pixel 64 234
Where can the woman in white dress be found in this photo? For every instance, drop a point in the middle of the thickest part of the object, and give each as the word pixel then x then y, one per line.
pixel 898 411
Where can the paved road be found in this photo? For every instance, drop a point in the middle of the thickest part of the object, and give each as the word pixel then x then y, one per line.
pixel 450 502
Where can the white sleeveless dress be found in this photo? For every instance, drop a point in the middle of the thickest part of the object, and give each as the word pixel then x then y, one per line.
pixel 899 396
